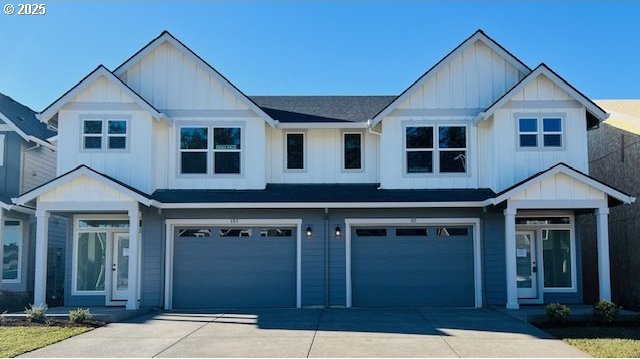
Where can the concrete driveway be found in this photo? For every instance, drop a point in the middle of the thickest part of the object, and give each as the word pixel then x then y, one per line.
pixel 316 333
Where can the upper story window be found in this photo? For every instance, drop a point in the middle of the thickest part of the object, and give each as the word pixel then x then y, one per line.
pixel 100 133
pixel 450 148
pixel 352 151
pixel 225 149
pixel 536 132
pixel 295 151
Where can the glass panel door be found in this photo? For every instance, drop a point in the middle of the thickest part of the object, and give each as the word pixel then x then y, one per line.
pixel 120 281
pixel 526 270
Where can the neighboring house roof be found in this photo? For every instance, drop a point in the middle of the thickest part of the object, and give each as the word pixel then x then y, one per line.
pixel 617 195
pixel 322 193
pixel 83 170
pixel 100 71
pixel 23 119
pixel 625 114
pixel 322 108
pixel 479 35
pixel 544 70
pixel 166 36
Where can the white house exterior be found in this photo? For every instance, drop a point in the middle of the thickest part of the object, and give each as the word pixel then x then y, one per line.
pixel 183 192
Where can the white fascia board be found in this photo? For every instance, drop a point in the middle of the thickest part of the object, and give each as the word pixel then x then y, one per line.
pixel 542 69
pixel 166 36
pixel 82 171
pixel 478 36
pixel 100 71
pixel 561 168
pixel 297 125
pixel 28 138
pixel 308 205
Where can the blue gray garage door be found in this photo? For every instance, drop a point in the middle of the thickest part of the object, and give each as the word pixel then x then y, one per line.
pixel 221 267
pixel 412 267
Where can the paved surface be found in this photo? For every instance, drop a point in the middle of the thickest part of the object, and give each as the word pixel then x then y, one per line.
pixel 317 333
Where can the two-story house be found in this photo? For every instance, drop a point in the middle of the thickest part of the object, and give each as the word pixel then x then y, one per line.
pixel 27 160
pixel 183 192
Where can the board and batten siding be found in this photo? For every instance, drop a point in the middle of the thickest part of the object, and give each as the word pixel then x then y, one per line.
pixel 39 166
pixel 324 157
pixel 505 163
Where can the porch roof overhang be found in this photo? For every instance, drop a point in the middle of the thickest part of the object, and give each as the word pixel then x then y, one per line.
pixel 612 195
pixel 85 171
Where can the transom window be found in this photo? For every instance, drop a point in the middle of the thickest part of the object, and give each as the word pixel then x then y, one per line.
pixel 295 151
pixel 104 133
pixel 12 238
pixel 450 148
pixel 352 151
pixel 225 150
pixel 540 132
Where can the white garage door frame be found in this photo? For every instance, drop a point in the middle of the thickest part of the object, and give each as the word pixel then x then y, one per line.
pixel 170 225
pixel 473 222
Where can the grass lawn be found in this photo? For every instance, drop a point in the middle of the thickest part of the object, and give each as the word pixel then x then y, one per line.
pixel 18 340
pixel 602 342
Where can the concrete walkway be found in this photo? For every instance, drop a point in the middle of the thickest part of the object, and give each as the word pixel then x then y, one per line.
pixel 316 333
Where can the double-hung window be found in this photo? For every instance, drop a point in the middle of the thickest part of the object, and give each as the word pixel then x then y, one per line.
pixel 222 152
pixel 12 238
pixel 295 151
pixel 352 151
pixel 104 133
pixel 449 148
pixel 545 132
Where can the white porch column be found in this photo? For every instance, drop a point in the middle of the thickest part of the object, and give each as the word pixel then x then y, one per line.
pixel 134 228
pixel 604 275
pixel 42 238
pixel 510 257
pixel 1 245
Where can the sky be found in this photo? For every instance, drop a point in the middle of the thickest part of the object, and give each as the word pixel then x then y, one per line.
pixel 319 48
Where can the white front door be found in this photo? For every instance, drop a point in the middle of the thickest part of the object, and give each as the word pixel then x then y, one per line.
pixel 527 271
pixel 120 266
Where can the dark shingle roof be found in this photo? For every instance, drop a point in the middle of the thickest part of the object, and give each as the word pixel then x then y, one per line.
pixel 319 193
pixel 322 108
pixel 24 118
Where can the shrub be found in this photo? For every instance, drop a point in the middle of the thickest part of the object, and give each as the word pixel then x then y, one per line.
pixel 606 311
pixel 36 313
pixel 557 312
pixel 79 315
pixel 2 316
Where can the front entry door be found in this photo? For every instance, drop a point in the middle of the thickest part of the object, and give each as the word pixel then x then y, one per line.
pixel 120 266
pixel 527 275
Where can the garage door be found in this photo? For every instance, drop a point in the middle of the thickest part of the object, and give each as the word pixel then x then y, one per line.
pixel 223 267
pixel 412 267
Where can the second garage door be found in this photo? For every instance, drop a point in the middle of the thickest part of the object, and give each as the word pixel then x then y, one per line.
pixel 219 267
pixel 412 267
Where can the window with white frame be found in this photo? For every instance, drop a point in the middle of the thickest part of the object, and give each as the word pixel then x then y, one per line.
pixel 540 131
pixel 98 134
pixel 225 147
pixel 449 147
pixel 295 151
pixel 12 246
pixel 352 144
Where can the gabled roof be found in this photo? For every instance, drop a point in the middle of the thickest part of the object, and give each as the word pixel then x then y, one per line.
pixel 23 120
pixel 166 36
pixel 322 108
pixel 479 35
pixel 561 167
pixel 84 170
pixel 100 71
pixel 541 70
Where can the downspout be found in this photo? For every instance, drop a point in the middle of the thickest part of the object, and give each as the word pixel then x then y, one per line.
pixel 326 257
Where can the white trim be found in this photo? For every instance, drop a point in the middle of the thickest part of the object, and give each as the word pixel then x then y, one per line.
pixel 477 246
pixel 167 37
pixel 321 204
pixel 170 224
pixel 70 176
pixel 100 71
pixel 436 150
pixel 305 125
pixel 540 132
pixel 562 168
pixel 3 227
pixel 542 69
pixel 305 163
pixel 477 36
pixel 343 152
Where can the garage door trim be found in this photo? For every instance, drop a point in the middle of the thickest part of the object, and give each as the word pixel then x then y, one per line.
pixel 474 222
pixel 170 224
